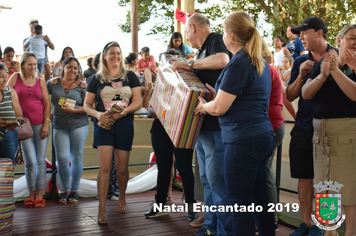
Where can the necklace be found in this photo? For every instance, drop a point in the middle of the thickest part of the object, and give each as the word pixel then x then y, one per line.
pixel 67 88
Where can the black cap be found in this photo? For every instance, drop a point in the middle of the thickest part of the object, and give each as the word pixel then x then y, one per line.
pixel 313 22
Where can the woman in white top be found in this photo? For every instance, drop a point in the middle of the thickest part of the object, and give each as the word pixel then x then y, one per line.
pixel 280 51
pixel 58 67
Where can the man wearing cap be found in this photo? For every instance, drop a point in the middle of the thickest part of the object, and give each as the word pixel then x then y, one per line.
pixel 313 36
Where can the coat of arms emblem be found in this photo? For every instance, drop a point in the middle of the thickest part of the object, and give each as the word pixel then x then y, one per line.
pixel 328 206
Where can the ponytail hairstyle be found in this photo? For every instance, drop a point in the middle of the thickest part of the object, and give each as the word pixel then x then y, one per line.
pixel 130 58
pixel 266 53
pixel 242 26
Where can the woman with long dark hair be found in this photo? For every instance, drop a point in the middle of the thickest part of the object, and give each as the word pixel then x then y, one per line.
pixel 70 127
pixel 58 67
pixel 176 42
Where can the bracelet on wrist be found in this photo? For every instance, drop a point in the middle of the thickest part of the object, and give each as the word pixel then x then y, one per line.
pixel 202 111
pixel 49 120
pixel 124 112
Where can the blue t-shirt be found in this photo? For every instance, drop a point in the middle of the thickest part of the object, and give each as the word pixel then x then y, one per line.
pixel 295 48
pixel 304 117
pixel 248 114
pixel 37 46
pixel 186 50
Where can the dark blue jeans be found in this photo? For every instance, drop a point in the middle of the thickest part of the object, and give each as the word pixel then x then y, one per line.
pixel 164 150
pixel 9 145
pixel 246 183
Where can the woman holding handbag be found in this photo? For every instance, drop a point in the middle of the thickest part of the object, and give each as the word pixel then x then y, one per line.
pixel 34 102
pixel 9 108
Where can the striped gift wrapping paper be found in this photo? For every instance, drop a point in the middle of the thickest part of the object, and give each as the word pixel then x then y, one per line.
pixel 174 99
pixel 6 196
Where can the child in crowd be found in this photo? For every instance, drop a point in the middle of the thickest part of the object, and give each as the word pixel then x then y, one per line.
pixel 37 44
pixel 12 66
pixel 176 42
pixel 280 52
pixel 147 66
pixel 285 71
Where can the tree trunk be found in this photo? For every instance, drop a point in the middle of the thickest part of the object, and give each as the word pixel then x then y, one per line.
pixel 134 25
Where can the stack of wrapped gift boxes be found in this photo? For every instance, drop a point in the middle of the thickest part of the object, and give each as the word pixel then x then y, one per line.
pixel 174 99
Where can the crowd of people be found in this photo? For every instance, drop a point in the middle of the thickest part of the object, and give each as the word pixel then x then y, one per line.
pixel 243 122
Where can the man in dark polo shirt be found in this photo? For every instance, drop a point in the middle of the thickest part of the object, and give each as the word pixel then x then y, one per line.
pixel 211 58
pixel 313 35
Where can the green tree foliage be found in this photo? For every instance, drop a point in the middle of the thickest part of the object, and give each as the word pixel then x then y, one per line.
pixel 280 13
pixel 161 10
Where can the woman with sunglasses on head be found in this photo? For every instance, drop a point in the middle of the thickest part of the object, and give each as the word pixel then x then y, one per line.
pixel 70 127
pixel 113 85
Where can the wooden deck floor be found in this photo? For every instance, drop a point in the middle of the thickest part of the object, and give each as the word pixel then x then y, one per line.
pixel 81 219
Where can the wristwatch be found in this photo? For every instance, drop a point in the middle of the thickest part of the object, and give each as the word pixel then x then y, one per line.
pixel 190 64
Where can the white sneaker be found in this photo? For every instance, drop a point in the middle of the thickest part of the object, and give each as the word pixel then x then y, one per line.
pixel 115 198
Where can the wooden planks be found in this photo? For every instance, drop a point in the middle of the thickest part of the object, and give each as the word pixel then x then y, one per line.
pixel 81 219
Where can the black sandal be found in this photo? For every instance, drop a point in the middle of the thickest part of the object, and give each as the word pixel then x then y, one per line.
pixel 63 200
pixel 73 197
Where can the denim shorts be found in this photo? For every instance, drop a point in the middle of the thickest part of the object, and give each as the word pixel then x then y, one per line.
pixel 40 65
pixel 120 136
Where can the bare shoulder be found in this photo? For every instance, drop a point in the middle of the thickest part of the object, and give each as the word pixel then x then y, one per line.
pixel 58 64
pixel 54 80
pixel 12 80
